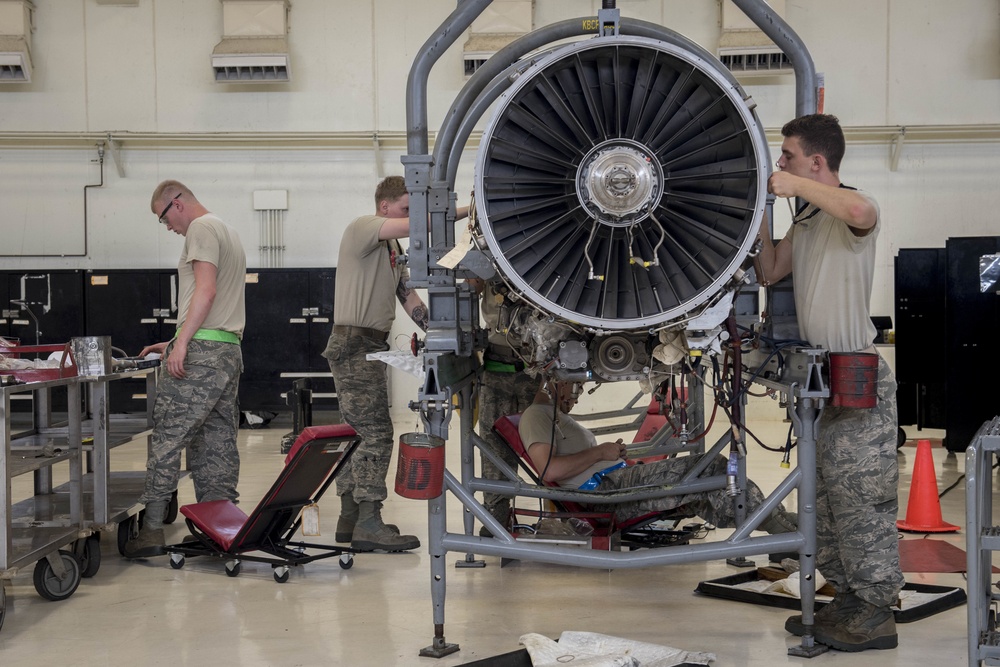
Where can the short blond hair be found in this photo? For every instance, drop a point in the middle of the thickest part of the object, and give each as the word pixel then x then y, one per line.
pixel 168 190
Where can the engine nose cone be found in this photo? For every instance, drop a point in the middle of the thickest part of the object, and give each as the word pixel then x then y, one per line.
pixel 619 182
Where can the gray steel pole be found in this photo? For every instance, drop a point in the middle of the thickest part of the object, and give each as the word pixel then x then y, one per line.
pixel 791 44
pixel 416 84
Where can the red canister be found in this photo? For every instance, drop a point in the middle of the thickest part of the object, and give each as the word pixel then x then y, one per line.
pixel 420 468
pixel 854 380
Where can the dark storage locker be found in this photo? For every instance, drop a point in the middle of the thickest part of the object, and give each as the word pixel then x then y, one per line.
pixel 321 286
pixel 289 315
pixel 136 307
pixel 54 298
pixel 921 326
pixel 276 337
pixel 50 311
pixel 973 358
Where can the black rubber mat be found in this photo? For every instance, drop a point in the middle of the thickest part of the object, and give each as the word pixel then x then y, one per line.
pixel 728 588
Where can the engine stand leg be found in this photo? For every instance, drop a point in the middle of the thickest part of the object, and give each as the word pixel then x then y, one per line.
pixel 470 561
pixel 740 561
pixel 808 648
pixel 440 648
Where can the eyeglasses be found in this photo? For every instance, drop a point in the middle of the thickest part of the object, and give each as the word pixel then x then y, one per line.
pixel 167 208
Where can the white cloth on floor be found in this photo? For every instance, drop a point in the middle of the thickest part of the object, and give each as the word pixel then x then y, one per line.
pixel 792 585
pixel 591 649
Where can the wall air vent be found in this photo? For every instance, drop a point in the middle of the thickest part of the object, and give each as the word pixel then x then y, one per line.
pixel 15 63
pixel 750 53
pixel 744 49
pixel 251 60
pixel 499 25
pixel 15 40
pixel 480 47
pixel 254 46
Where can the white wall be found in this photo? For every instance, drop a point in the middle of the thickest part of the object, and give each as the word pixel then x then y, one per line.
pixel 145 69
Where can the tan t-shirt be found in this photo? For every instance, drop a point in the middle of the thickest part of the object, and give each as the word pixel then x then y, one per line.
pixel 365 292
pixel 208 239
pixel 832 273
pixel 536 426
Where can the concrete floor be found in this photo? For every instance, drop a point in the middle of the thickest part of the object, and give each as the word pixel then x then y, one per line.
pixel 379 612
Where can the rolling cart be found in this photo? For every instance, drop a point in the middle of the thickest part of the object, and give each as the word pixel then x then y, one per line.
pixel 38 529
pixel 59 527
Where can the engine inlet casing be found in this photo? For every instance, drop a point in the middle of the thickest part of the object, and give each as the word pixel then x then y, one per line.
pixel 620 184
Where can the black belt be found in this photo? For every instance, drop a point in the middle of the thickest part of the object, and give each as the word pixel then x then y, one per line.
pixel 350 331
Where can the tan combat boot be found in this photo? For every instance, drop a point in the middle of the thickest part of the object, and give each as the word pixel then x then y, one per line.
pixel 842 606
pixel 869 626
pixel 370 533
pixel 148 543
pixel 348 517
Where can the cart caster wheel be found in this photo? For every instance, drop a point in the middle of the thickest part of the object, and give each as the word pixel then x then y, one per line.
pixel 170 515
pixel 281 574
pixel 900 437
pixel 90 556
pixel 233 568
pixel 346 561
pixel 176 561
pixel 49 585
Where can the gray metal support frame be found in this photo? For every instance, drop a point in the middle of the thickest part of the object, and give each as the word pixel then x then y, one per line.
pixel 453 337
pixel 775 27
pixel 982 538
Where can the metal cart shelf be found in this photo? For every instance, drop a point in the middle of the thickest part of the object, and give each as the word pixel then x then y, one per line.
pixel 35 529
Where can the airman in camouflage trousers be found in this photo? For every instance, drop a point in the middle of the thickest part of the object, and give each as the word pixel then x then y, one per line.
pixel 363 395
pixel 199 412
pixel 501 393
pixel 714 506
pixel 197 403
pixel 856 497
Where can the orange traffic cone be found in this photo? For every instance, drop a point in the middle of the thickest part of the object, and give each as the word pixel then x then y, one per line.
pixel 923 511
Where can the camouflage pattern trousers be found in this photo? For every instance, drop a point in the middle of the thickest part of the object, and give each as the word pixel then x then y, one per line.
pixel 501 394
pixel 856 497
pixel 199 413
pixel 363 395
pixel 715 506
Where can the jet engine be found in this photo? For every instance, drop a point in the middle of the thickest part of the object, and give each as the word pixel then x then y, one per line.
pixel 620 184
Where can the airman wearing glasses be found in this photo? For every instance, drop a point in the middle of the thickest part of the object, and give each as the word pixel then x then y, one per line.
pixel 196 404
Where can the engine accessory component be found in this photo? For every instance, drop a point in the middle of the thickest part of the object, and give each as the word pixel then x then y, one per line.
pixel 619 357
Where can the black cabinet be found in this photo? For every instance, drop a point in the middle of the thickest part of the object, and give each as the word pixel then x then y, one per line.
pixel 973 358
pixel 921 326
pixel 49 306
pixel 135 307
pixel 945 331
pixel 289 315
pixel 45 307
